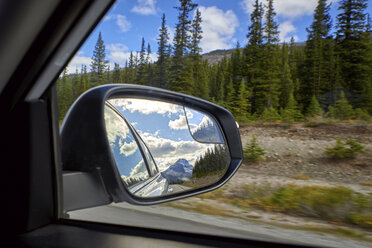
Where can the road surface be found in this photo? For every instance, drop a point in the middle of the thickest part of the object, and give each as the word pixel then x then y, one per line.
pixel 167 218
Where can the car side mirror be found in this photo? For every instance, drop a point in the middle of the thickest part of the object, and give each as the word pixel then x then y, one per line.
pixel 145 145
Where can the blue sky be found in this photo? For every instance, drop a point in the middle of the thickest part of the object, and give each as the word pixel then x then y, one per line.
pixel 225 22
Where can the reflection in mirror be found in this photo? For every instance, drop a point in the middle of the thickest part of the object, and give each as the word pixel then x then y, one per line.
pixel 181 153
pixel 202 127
pixel 125 149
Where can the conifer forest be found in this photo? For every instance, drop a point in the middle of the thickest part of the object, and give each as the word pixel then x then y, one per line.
pixel 330 75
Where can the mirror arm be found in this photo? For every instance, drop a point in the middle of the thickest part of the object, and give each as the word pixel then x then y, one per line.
pixel 83 190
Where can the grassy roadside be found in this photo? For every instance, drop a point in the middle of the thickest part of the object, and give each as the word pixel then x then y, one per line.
pixel 349 212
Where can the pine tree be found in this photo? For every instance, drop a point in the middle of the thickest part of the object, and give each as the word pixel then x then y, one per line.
pixel 253 152
pixel 162 65
pixel 269 85
pixel 243 102
pixel 196 35
pixel 342 110
pixel 286 85
pixel 253 54
pixel 183 28
pixel 99 64
pixel 116 76
pixel 316 71
pixel 314 108
pixel 181 75
pixel 231 102
pixel 291 113
pixel 141 76
pixel 354 51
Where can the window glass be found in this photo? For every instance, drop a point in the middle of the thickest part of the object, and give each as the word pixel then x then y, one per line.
pixel 296 76
pixel 124 147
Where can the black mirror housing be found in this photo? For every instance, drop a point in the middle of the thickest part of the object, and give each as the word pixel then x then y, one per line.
pixel 85 147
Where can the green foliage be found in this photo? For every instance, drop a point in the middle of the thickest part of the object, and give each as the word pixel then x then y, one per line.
pixel 243 102
pixel 214 161
pixel 270 115
pixel 354 49
pixel 259 80
pixel 253 152
pixel 363 220
pixel 291 113
pixel 339 203
pixel 314 108
pixel 361 114
pixel 99 63
pixel 344 149
pixel 343 110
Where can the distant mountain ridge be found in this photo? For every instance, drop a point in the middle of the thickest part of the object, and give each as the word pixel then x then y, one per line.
pixel 218 55
pixel 178 172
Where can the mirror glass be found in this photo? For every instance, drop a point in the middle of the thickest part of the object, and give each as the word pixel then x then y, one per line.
pixel 162 148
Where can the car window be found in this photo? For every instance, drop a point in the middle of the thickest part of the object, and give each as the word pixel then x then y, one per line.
pixel 296 76
pixel 125 149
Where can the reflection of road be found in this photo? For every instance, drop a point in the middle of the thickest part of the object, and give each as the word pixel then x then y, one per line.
pixel 175 188
pixel 167 218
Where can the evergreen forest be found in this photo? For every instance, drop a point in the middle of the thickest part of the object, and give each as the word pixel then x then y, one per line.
pixel 265 79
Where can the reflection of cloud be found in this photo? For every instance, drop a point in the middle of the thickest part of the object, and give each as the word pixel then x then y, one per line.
pixel 178 124
pixel 167 152
pixel 139 171
pixel 115 127
pixel 146 106
pixel 128 148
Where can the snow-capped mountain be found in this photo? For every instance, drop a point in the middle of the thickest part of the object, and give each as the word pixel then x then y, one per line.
pixel 178 172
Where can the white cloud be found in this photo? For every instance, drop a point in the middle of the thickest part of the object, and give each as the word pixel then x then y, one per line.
pixel 178 124
pixel 287 30
pixel 146 106
pixel 145 7
pixel 218 28
pixel 128 149
pixel 139 171
pixel 117 53
pixel 77 61
pixel 287 8
pixel 122 22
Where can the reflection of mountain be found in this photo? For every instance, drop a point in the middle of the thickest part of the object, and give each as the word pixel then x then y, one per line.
pixel 178 172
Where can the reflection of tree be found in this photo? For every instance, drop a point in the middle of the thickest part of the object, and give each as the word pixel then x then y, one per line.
pixel 130 181
pixel 206 132
pixel 214 161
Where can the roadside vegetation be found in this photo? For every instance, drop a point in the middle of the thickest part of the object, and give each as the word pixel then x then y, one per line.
pixel 253 152
pixel 334 204
pixel 263 80
pixel 344 149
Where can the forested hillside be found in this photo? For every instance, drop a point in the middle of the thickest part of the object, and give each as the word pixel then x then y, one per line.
pixel 330 75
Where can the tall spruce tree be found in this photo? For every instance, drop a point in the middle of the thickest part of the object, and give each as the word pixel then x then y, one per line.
pixel 99 63
pixel 269 84
pixel 141 77
pixel 353 48
pixel 317 79
pixel 181 76
pixel 162 65
pixel 253 54
pixel 196 35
